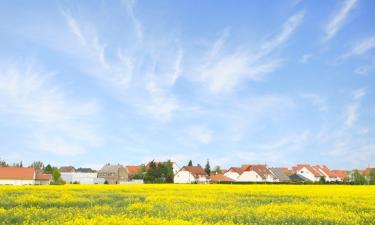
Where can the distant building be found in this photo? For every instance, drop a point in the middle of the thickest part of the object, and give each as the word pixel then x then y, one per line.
pixel 342 175
pixel 23 176
pixel 256 173
pixel 279 174
pixel 308 172
pixel 191 174
pixel 114 174
pixel 85 170
pixel 133 170
pixel 67 169
pixel 234 172
pixel 81 178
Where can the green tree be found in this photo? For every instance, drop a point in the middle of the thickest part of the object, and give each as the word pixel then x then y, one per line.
pixel 322 180
pixel 3 163
pixel 217 170
pixel 37 165
pixel 371 176
pixel 48 169
pixel 56 176
pixel 207 168
pixel 190 163
pixel 358 178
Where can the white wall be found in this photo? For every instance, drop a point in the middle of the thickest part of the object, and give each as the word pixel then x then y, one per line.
pixel 232 175
pixel 307 174
pixel 183 177
pixel 17 182
pixel 250 176
pixel 82 178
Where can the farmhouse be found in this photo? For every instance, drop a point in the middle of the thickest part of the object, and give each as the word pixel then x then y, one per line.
pixel 114 174
pixel 191 174
pixel 23 176
pixel 308 172
pixel 233 172
pixel 342 175
pixel 257 173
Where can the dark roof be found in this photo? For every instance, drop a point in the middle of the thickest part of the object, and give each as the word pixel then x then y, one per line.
pixel 279 174
pixel 297 177
pixel 85 170
pixel 67 169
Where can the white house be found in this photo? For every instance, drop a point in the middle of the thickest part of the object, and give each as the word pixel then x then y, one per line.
pixel 328 174
pixel 257 173
pixel 81 178
pixel 233 173
pixel 191 174
pixel 22 176
pixel 308 172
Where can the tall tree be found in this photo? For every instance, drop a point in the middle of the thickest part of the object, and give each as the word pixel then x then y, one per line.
pixel 3 163
pixel 371 176
pixel 207 168
pixel 56 175
pixel 358 178
pixel 190 163
pixel 217 169
pixel 48 169
pixel 37 165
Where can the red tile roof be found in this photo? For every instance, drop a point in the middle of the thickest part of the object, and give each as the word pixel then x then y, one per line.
pixel 325 169
pixel 238 170
pixel 312 170
pixel 342 174
pixel 219 178
pixel 194 170
pixel 261 170
pixel 43 177
pixel 17 173
pixel 132 170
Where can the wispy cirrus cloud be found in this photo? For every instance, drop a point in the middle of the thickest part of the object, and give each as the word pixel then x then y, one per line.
pixel 338 19
pixel 222 70
pixel 352 113
pixel 53 122
pixel 361 47
pixel 132 71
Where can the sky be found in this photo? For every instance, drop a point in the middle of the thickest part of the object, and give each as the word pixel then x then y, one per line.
pixel 86 83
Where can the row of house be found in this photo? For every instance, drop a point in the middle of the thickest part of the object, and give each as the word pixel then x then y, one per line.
pixel 120 174
pixel 23 176
pixel 262 173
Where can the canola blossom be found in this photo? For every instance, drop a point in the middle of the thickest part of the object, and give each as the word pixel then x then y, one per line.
pixel 187 204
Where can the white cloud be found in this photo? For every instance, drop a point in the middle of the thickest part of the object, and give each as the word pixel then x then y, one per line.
pixel 352 113
pixel 317 100
pixel 201 134
pixel 305 58
pixel 92 56
pixel 338 20
pixel 363 46
pixel 53 122
pixel 222 70
pixel 130 5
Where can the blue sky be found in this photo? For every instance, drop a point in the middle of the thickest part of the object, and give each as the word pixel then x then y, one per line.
pixel 130 81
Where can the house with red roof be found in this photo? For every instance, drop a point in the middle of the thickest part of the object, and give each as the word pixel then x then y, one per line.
pixel 257 173
pixel 310 173
pixel 191 174
pixel 23 176
pixel 234 172
pixel 342 175
pixel 328 174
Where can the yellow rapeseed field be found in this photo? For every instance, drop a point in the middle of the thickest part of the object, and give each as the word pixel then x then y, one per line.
pixel 187 204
